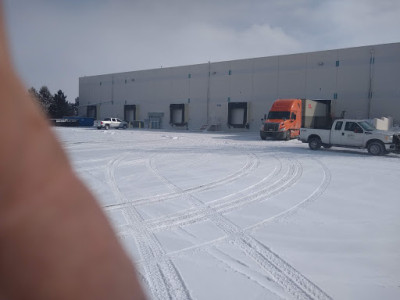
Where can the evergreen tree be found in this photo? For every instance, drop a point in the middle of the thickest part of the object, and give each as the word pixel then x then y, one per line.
pixel 55 106
pixel 45 99
pixel 60 106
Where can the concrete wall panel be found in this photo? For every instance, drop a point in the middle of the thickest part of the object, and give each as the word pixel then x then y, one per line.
pixel 292 76
pixel 321 75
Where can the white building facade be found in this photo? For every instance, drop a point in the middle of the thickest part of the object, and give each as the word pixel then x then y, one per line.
pixel 362 82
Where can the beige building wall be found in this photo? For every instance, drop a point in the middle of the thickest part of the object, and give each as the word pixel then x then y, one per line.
pixel 362 82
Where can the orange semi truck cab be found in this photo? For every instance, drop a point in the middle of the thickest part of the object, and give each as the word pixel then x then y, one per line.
pixel 283 120
pixel 287 116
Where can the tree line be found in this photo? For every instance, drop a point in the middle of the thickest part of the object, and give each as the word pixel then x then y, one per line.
pixel 54 106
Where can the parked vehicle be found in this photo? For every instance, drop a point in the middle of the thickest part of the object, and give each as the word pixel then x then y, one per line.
pixel 287 116
pixel 353 134
pixel 108 123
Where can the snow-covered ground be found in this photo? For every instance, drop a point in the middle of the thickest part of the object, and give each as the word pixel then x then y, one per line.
pixel 228 216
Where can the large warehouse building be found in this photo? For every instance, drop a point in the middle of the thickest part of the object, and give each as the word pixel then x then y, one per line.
pixel 362 82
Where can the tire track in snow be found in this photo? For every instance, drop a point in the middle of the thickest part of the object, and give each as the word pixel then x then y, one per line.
pixel 103 164
pixel 291 280
pixel 281 271
pixel 227 204
pixel 187 162
pixel 244 269
pixel 161 275
pixel 326 180
pixel 110 176
pixel 251 164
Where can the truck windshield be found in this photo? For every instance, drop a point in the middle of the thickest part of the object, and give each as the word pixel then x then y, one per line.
pixel 366 126
pixel 279 115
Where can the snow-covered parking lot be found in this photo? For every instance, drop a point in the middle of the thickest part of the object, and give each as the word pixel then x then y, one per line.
pixel 228 216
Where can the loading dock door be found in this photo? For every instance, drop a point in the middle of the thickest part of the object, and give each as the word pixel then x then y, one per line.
pixel 91 111
pixel 177 114
pixel 177 117
pixel 237 114
pixel 130 113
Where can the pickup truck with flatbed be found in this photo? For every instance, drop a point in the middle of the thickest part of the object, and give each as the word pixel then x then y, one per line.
pixel 108 123
pixel 352 134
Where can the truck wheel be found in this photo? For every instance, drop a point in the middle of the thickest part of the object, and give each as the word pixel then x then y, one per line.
pixel 376 148
pixel 107 127
pixel 314 143
pixel 263 136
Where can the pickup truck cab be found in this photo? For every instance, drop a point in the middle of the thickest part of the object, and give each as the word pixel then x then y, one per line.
pixel 353 134
pixel 108 123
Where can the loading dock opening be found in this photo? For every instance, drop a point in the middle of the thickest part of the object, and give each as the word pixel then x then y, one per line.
pixel 130 113
pixel 316 114
pixel 237 115
pixel 91 111
pixel 177 115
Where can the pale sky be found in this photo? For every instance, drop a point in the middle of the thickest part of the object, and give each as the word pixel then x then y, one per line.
pixel 54 42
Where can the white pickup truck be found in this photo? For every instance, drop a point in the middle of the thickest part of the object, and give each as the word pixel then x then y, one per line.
pixel 108 123
pixel 353 134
